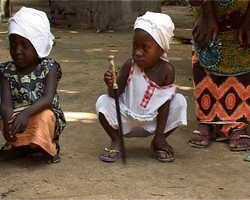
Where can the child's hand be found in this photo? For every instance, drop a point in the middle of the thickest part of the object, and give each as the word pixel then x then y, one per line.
pixel 18 122
pixel 9 137
pixel 109 78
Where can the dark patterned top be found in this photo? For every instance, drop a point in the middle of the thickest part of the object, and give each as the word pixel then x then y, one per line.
pixel 233 58
pixel 27 89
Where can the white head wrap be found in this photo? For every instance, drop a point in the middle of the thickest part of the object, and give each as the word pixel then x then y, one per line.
pixel 159 26
pixel 33 25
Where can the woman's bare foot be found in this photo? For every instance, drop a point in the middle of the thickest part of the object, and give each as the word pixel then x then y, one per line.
pixel 201 138
pixel 239 141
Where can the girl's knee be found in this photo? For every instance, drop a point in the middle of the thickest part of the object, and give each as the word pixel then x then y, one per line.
pixel 180 101
pixel 104 101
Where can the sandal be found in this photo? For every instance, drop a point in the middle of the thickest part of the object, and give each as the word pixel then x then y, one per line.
pixel 110 155
pixel 235 145
pixel 164 156
pixel 204 139
pixel 246 156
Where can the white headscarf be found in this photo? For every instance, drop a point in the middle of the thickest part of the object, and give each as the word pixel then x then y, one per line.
pixel 33 25
pixel 159 26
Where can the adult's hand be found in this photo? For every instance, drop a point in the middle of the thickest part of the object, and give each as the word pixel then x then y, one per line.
pixel 244 30
pixel 206 28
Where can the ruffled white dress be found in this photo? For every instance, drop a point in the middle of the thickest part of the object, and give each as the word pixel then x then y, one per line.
pixel 139 105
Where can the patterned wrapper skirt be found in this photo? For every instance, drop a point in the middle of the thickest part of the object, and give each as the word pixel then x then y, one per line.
pixel 221 100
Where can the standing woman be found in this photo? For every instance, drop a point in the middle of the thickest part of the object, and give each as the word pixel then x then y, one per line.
pixel 221 71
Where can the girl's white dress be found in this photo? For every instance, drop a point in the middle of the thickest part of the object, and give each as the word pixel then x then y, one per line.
pixel 139 104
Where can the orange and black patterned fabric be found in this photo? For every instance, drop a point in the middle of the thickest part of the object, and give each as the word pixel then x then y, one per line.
pixel 221 99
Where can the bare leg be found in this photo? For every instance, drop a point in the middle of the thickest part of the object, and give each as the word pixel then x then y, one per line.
pixel 112 153
pixel 113 134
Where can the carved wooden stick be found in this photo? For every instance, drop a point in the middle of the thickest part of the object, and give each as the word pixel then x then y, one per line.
pixel 112 67
pixel 118 112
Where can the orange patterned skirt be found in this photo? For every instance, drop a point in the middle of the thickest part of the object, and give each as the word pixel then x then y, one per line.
pixel 221 100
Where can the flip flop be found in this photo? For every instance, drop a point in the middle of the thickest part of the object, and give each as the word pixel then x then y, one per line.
pixel 246 156
pixel 204 136
pixel 163 156
pixel 111 155
pixel 234 141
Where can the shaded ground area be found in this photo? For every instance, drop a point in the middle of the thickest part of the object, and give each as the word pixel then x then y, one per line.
pixel 213 173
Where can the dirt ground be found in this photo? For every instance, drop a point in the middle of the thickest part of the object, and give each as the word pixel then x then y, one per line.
pixel 213 173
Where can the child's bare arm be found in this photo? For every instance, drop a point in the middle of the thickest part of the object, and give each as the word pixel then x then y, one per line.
pixel 164 110
pixel 6 99
pixel 159 142
pixel 6 106
pixel 121 78
pixel 109 79
pixel 169 74
pixel 123 75
pixel 162 118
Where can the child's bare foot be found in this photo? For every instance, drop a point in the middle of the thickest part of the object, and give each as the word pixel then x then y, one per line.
pixel 201 138
pixel 162 150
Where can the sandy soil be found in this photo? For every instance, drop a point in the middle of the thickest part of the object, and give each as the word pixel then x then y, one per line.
pixel 213 173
